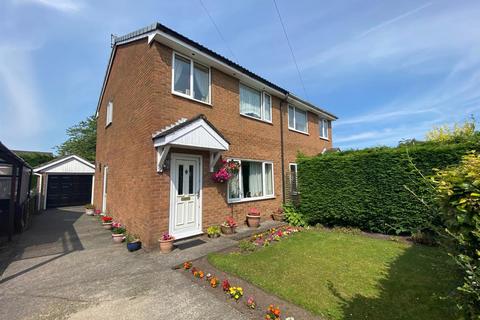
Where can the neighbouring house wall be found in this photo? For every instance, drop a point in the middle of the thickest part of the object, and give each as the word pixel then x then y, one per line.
pixel 140 88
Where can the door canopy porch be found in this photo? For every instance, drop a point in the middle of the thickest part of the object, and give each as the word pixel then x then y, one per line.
pixel 197 133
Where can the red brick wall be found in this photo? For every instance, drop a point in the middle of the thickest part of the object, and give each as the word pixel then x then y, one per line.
pixel 140 88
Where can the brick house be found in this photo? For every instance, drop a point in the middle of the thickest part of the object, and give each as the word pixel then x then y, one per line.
pixel 168 111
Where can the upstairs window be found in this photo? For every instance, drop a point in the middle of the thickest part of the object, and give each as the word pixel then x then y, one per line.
pixel 297 119
pixel 191 79
pixel 254 180
pixel 255 104
pixel 109 113
pixel 323 128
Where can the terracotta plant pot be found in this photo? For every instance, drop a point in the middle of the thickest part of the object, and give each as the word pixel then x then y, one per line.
pixel 118 238
pixel 278 216
pixel 107 225
pixel 166 246
pixel 89 212
pixel 227 230
pixel 253 221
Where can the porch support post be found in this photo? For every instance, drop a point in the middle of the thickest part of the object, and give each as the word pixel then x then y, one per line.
pixel 162 153
pixel 214 156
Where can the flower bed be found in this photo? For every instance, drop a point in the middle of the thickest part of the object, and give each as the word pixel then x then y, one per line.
pixel 275 234
pixel 236 292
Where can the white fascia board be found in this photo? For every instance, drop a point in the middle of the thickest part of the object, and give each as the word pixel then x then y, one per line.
pixel 170 139
pixel 107 74
pixel 201 57
pixel 302 105
pixel 59 161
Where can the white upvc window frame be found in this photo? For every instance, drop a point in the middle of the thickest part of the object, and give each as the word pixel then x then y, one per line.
pixel 295 120
pixel 192 65
pixel 323 128
pixel 262 104
pixel 109 114
pixel 240 182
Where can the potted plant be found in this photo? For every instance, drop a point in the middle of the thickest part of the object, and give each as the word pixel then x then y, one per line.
pixel 118 232
pixel 133 243
pixel 228 227
pixel 213 231
pixel 89 209
pixel 107 222
pixel 97 212
pixel 253 218
pixel 278 215
pixel 166 243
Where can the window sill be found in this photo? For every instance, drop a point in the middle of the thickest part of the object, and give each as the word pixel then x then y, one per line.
pixel 323 138
pixel 191 99
pixel 253 118
pixel 295 130
pixel 251 199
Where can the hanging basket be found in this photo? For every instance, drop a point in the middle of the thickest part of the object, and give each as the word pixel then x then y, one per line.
pixel 226 171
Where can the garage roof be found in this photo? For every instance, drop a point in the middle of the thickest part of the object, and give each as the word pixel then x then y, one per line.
pixel 67 164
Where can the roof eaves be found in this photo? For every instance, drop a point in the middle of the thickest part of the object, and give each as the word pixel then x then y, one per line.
pixel 58 160
pixel 160 27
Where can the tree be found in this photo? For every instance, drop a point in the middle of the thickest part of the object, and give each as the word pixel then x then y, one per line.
pixel 35 158
pixel 457 133
pixel 82 139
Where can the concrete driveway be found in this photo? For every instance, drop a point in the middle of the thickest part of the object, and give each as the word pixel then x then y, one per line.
pixel 66 267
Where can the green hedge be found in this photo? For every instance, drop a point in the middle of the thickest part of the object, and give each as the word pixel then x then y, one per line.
pixel 366 188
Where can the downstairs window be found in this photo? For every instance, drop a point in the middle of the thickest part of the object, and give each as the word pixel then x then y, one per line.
pixel 254 180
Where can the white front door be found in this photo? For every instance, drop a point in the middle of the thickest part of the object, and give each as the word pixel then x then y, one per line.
pixel 104 198
pixel 185 195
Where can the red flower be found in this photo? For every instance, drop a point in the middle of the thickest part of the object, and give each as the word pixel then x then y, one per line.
pixel 107 219
pixel 254 212
pixel 225 285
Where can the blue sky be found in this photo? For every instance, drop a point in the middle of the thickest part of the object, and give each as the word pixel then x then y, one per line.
pixel 389 69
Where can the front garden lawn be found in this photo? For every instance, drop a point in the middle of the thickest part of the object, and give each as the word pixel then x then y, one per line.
pixel 347 276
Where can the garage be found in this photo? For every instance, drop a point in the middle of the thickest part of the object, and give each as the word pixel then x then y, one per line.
pixel 66 181
pixel 68 190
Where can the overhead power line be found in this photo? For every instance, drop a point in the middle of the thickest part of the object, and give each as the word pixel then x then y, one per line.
pixel 291 49
pixel 218 30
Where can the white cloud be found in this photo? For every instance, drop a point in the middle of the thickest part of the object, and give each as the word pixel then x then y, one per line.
pixel 21 115
pixel 358 136
pixel 393 20
pixel 381 115
pixel 60 5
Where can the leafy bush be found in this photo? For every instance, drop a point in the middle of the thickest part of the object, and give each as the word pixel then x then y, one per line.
pixel 293 217
pixel 458 133
pixel 458 193
pixel 372 189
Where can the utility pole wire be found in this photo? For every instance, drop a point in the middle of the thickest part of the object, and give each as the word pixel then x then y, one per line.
pixel 218 30
pixel 291 49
